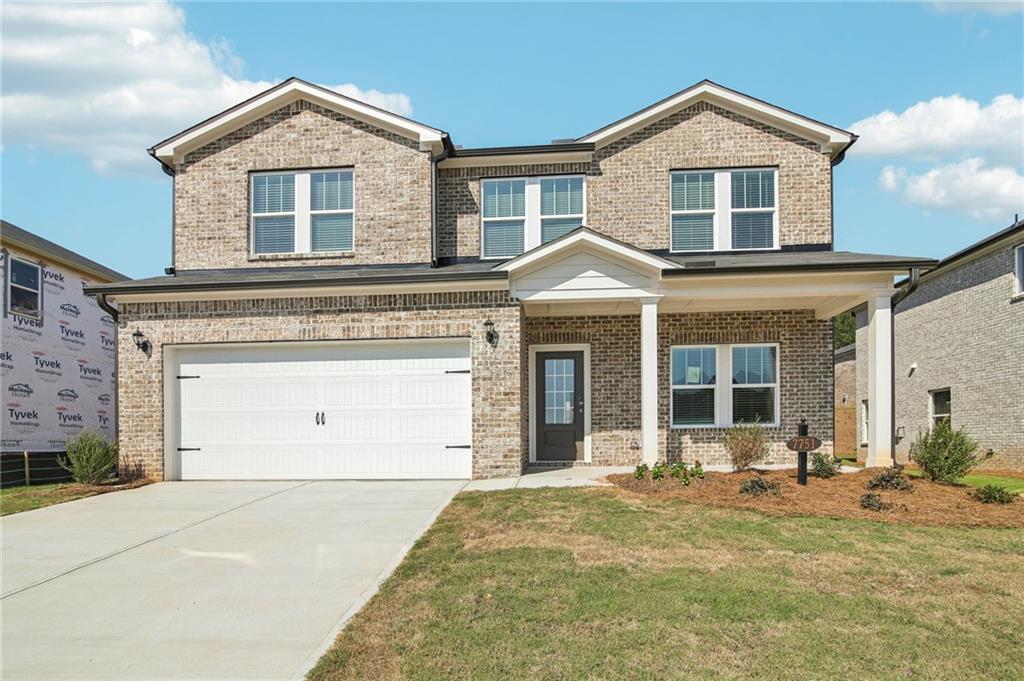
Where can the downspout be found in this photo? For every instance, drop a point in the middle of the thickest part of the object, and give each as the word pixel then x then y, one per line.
pixel 101 300
pixel 169 170
pixel 897 298
pixel 434 160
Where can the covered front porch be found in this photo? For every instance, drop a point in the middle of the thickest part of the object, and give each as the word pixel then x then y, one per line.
pixel 630 356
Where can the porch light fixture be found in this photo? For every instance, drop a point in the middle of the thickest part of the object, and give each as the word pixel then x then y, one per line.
pixel 490 334
pixel 141 342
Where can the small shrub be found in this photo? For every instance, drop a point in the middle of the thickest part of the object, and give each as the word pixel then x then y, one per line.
pixel 658 471
pixel 994 494
pixel 697 471
pixel 824 466
pixel 747 444
pixel 678 470
pixel 945 455
pixel 758 486
pixel 641 471
pixel 873 502
pixel 890 478
pixel 90 459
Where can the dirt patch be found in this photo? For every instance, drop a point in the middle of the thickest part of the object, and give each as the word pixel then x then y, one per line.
pixel 927 503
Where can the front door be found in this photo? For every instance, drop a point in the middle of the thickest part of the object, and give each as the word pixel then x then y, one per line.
pixel 559 403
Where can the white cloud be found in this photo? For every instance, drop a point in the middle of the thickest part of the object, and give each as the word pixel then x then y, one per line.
pixel 966 187
pixel 108 81
pixel 943 125
pixel 997 8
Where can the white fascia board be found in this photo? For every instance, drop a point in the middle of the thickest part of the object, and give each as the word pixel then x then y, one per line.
pixel 831 139
pixel 581 240
pixel 176 147
pixel 516 159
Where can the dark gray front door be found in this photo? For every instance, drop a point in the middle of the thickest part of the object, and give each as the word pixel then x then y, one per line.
pixel 559 403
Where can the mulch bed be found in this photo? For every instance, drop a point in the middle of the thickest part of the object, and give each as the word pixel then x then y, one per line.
pixel 927 503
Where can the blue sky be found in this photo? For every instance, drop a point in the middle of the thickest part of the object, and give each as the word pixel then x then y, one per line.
pixel 87 89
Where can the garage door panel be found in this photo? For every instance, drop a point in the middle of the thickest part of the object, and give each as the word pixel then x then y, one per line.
pixel 392 410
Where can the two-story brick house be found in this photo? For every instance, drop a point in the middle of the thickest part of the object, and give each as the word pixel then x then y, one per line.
pixel 352 295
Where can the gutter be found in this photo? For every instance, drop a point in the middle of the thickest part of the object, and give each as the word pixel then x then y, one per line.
pixel 101 300
pixel 683 270
pixel 897 298
pixel 434 160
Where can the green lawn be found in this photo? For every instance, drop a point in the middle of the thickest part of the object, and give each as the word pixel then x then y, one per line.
pixel 17 499
pixel 1012 483
pixel 593 584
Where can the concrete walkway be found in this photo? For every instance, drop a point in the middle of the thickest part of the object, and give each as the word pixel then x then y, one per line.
pixel 579 476
pixel 200 580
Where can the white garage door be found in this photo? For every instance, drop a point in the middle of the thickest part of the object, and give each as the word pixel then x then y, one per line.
pixel 397 409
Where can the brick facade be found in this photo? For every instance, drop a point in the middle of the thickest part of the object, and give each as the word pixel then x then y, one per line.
pixel 628 181
pixel 392 189
pixel 805 377
pixel 964 328
pixel 497 394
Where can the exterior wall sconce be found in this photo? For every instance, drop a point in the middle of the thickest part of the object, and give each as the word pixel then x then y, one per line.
pixel 141 342
pixel 490 334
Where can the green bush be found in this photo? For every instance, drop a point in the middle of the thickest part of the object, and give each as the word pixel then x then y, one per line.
pixel 678 470
pixel 747 444
pixel 890 478
pixel 994 494
pixel 641 471
pixel 90 459
pixel 873 502
pixel 823 466
pixel 697 471
pixel 944 455
pixel 658 471
pixel 758 486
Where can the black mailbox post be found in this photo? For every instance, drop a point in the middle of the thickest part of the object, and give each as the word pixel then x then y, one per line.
pixel 802 444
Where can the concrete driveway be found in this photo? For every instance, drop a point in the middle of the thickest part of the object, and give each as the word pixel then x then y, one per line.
pixel 200 580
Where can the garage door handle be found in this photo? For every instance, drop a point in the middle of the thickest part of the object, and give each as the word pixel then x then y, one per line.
pixel 318 418
pixel 189 449
pixel 323 418
pixel 458 446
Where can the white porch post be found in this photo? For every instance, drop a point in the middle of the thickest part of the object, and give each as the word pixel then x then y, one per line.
pixel 880 362
pixel 649 379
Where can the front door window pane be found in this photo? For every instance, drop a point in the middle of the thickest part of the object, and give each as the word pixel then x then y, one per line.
pixel 559 391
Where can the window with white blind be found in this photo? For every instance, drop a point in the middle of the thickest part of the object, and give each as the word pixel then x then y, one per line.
pixel 723 210
pixel 518 214
pixel 303 212
pixel 701 399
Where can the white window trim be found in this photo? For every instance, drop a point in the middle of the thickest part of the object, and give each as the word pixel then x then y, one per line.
pixel 722 235
pixel 1018 262
pixel 864 422
pixel 10 284
pixel 723 398
pixel 303 214
pixel 931 407
pixel 532 218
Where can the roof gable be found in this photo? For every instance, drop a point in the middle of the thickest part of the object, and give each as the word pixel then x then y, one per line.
pixel 174 148
pixel 583 239
pixel 831 139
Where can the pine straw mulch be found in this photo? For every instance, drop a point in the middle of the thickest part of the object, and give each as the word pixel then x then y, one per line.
pixel 927 503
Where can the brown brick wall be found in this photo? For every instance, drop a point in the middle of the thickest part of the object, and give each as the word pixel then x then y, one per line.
pixel 497 394
pixel 805 377
pixel 392 188
pixel 628 181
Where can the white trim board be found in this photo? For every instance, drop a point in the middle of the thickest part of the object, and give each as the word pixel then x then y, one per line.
pixel 532 359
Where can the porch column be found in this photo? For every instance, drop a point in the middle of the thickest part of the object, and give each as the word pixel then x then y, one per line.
pixel 649 379
pixel 880 362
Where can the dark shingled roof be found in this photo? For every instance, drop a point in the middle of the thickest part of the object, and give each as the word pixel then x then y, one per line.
pixel 16 236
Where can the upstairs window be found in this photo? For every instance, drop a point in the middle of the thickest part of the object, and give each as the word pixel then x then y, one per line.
pixel 723 210
pixel 24 282
pixel 518 214
pixel 307 212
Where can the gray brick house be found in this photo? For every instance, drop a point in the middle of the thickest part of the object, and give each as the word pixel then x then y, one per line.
pixel 352 295
pixel 960 349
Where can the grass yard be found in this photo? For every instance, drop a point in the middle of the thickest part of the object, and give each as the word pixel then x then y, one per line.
pixel 1013 483
pixel 18 499
pixel 605 584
